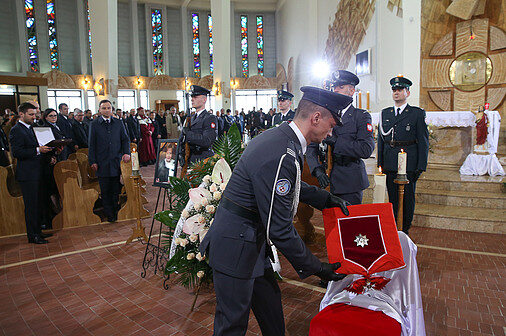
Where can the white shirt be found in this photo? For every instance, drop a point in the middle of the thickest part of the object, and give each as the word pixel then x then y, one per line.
pixel 26 125
pixel 106 119
pixel 345 109
pixel 197 114
pixel 402 107
pixel 300 136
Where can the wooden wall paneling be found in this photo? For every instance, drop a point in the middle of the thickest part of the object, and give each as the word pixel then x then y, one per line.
pixel 436 73
pixel 495 97
pixel 468 101
pixel 443 99
pixel 497 38
pixel 129 209
pixel 443 47
pixel 12 208
pixel 464 44
pixel 498 68
pixel 463 9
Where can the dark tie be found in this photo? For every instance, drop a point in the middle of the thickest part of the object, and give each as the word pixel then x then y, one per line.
pixel 398 111
pixel 194 116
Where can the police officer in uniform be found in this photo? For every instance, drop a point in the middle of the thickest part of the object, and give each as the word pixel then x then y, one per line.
pixel 203 131
pixel 403 127
pixel 350 143
pixel 285 113
pixel 256 211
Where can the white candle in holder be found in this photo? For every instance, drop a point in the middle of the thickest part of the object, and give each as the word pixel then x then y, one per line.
pixel 402 159
pixel 380 186
pixel 135 160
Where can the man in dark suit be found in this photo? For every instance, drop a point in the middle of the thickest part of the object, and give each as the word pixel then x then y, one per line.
pixel 25 148
pixel 65 126
pixel 256 212
pixel 4 148
pixel 156 132
pixel 403 127
pixel 350 143
pixel 202 132
pixel 87 117
pixel 285 112
pixel 109 144
pixel 80 131
pixel 134 127
pixel 161 121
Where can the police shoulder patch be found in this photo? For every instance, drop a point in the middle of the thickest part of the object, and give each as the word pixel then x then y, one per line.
pixel 213 125
pixel 283 187
pixel 369 127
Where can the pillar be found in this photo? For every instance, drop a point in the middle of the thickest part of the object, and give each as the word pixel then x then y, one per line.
pixel 220 11
pixel 411 24
pixel 104 47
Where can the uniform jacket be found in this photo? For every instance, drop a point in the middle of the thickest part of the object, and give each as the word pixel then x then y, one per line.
pixel 24 148
pixel 80 131
pixel 408 126
pixel 108 143
pixel 279 118
pixel 354 139
pixel 201 136
pixel 264 179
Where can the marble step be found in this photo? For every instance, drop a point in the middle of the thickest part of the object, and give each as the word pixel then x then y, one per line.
pixel 460 218
pixel 461 198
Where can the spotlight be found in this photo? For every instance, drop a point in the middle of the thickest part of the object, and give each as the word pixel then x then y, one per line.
pixel 321 69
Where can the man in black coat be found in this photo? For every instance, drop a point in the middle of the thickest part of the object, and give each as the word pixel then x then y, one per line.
pixel 109 144
pixel 285 113
pixel 4 148
pixel 134 127
pixel 202 132
pixel 80 131
pixel 256 212
pixel 65 126
pixel 350 143
pixel 161 121
pixel 403 127
pixel 25 148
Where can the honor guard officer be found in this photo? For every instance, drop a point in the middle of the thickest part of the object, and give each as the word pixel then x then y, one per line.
pixel 349 143
pixel 256 211
pixel 403 127
pixel 203 129
pixel 285 113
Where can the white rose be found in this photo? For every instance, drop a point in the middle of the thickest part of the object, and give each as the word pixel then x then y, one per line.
pixel 204 202
pixel 207 179
pixel 200 257
pixel 202 220
pixel 183 242
pixel 200 274
pixel 223 186
pixel 193 238
pixel 197 206
pixel 184 214
pixel 213 188
pixel 210 209
pixel 190 256
pixel 217 196
pixel 177 241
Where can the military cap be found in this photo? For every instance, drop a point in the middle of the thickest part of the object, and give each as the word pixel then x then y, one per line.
pixel 284 95
pixel 400 82
pixel 332 101
pixel 196 90
pixel 343 77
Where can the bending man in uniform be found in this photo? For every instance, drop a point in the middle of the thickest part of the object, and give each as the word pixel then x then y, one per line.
pixel 256 212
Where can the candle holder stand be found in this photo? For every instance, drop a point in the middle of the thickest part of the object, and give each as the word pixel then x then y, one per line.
pixel 138 230
pixel 401 181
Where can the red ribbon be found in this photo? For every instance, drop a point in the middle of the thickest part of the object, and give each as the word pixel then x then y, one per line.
pixel 359 286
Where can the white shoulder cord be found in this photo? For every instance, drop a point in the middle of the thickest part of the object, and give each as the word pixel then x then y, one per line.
pixel 272 200
pixel 381 128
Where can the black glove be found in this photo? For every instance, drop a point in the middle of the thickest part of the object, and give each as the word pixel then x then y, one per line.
pixel 327 272
pixel 334 201
pixel 331 140
pixel 321 176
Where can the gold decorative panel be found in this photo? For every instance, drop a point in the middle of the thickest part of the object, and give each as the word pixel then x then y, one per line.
pixel 280 76
pixel 468 101
pixel 57 79
pixel 472 35
pixel 444 47
pixel 206 82
pixel 463 9
pixel 256 82
pixel 443 99
pixel 395 6
pixel 495 97
pixel 435 73
pixel 163 82
pixel 499 66
pixel 497 38
pixel 470 71
pixel 290 74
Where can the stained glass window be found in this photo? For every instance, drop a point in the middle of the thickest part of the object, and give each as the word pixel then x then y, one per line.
pixel 157 39
pixel 260 44
pixel 196 44
pixel 210 25
pixel 33 52
pixel 53 43
pixel 89 26
pixel 244 45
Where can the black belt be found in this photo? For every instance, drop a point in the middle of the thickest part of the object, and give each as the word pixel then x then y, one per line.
pixel 239 210
pixel 197 150
pixel 343 160
pixel 396 143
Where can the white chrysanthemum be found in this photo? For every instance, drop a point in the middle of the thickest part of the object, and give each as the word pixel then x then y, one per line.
pixel 210 208
pixel 190 256
pixel 204 202
pixel 194 238
pixel 200 257
pixel 202 219
pixel 197 206
pixel 200 274
pixel 217 196
pixel 183 242
pixel 207 179
pixel 213 188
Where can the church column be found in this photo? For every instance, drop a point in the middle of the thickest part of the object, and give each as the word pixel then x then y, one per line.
pixel 220 11
pixel 104 47
pixel 411 25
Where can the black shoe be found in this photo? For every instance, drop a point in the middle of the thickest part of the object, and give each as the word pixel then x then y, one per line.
pixel 112 219
pixel 37 240
pixel 45 235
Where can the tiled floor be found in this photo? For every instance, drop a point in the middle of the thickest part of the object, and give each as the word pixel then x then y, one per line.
pixel 84 284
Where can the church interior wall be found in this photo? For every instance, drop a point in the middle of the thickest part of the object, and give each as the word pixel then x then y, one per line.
pixel 8 37
pixel 155 95
pixel 125 66
pixel 175 42
pixel 143 53
pixel 66 32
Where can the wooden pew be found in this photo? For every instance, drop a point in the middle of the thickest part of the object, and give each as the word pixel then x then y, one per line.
pixel 129 209
pixel 84 168
pixel 91 172
pixel 12 208
pixel 77 202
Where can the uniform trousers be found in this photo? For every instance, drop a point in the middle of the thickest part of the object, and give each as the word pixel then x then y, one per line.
pixel 409 197
pixel 31 191
pixel 235 297
pixel 354 198
pixel 109 190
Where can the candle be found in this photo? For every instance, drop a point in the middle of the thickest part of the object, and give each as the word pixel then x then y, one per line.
pixel 368 101
pixel 135 160
pixel 359 99
pixel 380 186
pixel 402 159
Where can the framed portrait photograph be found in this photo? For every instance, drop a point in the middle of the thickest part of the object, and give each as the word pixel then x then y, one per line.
pixel 362 63
pixel 166 165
